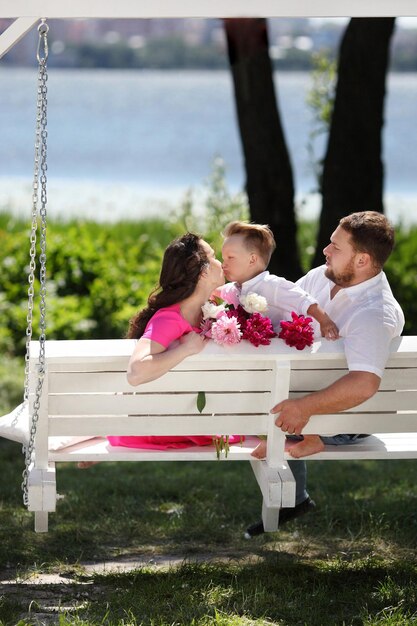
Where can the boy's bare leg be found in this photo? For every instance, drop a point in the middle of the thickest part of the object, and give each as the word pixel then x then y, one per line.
pixel 260 451
pixel 311 444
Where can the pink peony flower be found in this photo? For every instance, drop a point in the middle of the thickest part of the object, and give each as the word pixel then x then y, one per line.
pixel 227 322
pixel 240 314
pixel 206 328
pixel 258 330
pixel 226 331
pixel 230 294
pixel 298 333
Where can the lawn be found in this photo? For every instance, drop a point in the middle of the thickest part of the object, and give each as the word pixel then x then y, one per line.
pixel 179 528
pixel 175 530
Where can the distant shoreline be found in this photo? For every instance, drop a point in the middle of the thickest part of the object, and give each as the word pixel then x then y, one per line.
pixel 119 200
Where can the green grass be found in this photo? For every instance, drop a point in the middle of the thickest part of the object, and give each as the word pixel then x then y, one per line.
pixel 351 562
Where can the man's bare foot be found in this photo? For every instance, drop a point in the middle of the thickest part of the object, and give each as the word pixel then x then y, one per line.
pixel 86 464
pixel 260 451
pixel 311 444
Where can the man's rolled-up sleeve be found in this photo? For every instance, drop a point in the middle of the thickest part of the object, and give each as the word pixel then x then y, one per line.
pixel 367 341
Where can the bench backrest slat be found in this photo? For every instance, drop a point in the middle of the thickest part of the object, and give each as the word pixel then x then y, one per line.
pixel 158 404
pixel 98 425
pixel 370 423
pixel 312 380
pixel 382 401
pixel 195 381
pixel 89 393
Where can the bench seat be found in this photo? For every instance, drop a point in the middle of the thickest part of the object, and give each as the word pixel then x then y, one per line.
pixel 85 393
pixel 378 446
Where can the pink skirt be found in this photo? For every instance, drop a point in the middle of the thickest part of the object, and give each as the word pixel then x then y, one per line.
pixel 152 442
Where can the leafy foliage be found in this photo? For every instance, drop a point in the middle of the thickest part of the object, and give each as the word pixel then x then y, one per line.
pixel 402 274
pixel 320 100
pixel 219 207
pixel 99 275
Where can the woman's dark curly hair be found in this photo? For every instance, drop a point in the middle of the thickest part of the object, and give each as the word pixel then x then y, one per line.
pixel 184 260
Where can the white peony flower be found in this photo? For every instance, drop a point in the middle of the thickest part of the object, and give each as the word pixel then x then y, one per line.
pixel 254 303
pixel 211 310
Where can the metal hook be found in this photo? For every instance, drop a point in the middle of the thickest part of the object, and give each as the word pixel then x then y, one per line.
pixel 42 54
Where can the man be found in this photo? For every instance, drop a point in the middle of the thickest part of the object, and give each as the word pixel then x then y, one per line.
pixel 352 288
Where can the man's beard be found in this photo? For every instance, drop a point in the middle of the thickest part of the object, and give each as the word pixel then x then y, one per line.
pixel 343 279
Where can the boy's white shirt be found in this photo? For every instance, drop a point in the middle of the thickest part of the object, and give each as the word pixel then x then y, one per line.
pixel 282 296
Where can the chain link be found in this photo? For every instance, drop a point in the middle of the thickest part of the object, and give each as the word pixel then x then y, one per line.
pixel 39 184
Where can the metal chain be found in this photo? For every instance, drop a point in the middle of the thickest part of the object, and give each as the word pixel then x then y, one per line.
pixel 39 182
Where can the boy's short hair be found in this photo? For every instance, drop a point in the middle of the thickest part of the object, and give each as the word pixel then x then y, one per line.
pixel 255 236
pixel 370 232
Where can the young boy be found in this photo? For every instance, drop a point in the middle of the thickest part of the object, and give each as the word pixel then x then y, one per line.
pixel 246 251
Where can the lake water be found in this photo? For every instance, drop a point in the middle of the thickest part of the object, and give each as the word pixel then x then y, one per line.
pixel 126 144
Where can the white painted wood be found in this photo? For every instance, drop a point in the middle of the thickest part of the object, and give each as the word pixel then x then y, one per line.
pixel 276 438
pixel 99 449
pixel 42 489
pixel 98 351
pixel 41 437
pixel 380 446
pixel 362 422
pixel 88 395
pixel 270 518
pixel 269 482
pixel 309 380
pixel 381 401
pixel 158 404
pixel 94 382
pixel 41 521
pixel 159 425
pixel 15 32
pixel 288 485
pixel 206 8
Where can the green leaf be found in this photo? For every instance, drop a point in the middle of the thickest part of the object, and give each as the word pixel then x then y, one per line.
pixel 201 401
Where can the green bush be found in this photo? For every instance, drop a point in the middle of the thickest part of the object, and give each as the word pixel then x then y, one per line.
pixel 402 274
pixel 12 379
pixel 99 275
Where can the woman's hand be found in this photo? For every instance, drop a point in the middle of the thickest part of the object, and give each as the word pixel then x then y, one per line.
pixel 193 342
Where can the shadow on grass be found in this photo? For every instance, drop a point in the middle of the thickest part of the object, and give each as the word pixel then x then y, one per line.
pixel 111 510
pixel 272 591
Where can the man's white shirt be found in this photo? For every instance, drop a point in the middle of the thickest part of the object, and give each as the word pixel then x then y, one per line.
pixel 367 315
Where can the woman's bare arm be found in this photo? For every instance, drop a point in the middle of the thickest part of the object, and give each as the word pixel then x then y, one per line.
pixel 150 359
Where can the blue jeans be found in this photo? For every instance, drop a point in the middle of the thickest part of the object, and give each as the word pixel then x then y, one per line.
pixel 299 468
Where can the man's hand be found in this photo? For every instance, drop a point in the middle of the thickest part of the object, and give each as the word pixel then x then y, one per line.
pixel 292 417
pixel 345 393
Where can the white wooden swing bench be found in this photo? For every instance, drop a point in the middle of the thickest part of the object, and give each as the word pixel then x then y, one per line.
pixel 85 393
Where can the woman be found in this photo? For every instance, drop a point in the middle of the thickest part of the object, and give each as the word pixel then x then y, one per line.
pixel 168 328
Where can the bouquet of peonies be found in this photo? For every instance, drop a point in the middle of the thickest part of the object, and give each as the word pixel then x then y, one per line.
pixel 227 323
pixel 298 333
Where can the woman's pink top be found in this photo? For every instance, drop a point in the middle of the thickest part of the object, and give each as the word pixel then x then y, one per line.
pixel 164 327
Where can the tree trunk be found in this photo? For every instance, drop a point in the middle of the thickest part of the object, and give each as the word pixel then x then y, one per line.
pixel 269 180
pixel 353 172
